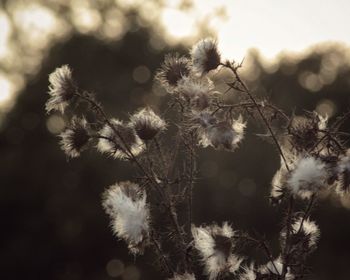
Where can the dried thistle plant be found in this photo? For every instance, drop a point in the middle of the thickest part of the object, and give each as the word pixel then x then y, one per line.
pixel 145 213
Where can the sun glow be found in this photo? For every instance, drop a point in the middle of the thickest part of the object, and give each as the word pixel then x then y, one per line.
pixel 270 26
pixel 6 89
pixel 5 28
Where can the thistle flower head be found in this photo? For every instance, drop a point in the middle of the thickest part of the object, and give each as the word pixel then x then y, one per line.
pixel 119 140
pixel 173 70
pixel 61 89
pixel 224 135
pixel 215 245
pixel 185 276
pixel 308 230
pixel 205 56
pixel 147 124
pixel 196 91
pixel 75 138
pixel 304 130
pixel 308 177
pixel 126 205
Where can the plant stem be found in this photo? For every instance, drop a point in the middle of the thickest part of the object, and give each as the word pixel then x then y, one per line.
pixel 166 198
pixel 251 97
pixel 286 248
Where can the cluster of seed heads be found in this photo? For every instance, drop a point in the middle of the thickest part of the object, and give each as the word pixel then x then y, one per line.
pixel 145 213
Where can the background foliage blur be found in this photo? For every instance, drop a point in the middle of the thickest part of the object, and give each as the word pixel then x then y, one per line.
pixel 53 226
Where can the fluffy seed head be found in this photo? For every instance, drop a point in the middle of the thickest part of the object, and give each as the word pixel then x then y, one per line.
pixel 215 245
pixel 173 70
pixel 197 92
pixel 118 139
pixel 304 130
pixel 205 56
pixel 224 135
pixel 75 138
pixel 61 89
pixel 308 229
pixel 126 205
pixel 308 177
pixel 147 124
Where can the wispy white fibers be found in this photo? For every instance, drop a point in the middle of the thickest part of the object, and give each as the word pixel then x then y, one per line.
pixel 173 70
pixel 147 124
pixel 205 56
pixel 126 205
pixel 222 134
pixel 308 177
pixel 75 138
pixel 215 245
pixel 248 273
pixel 343 173
pixel 197 92
pixel 119 140
pixel 308 228
pixel 61 89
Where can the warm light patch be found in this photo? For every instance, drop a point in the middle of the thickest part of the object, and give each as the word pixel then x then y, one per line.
pixel 86 20
pixel 6 89
pixel 5 28
pixel 310 81
pixel 114 26
pixel 178 24
pixel 36 24
pixel 55 124
pixel 326 107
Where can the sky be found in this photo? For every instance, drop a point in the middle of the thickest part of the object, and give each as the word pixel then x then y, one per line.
pixel 271 26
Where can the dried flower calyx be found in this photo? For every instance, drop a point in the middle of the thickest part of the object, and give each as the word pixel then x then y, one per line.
pixel 304 130
pixel 205 56
pixel 147 124
pixel 119 140
pixel 173 70
pixel 75 138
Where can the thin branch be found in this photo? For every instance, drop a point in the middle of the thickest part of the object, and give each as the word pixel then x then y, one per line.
pixel 266 249
pixel 161 254
pixel 251 97
pixel 286 248
pixel 307 211
pixel 154 182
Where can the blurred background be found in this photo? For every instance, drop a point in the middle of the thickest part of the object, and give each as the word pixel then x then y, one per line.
pixel 52 223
